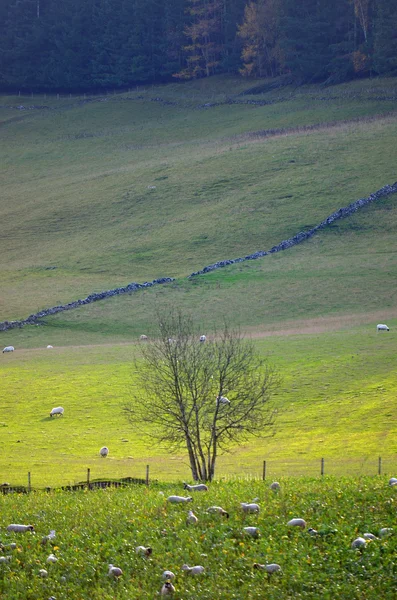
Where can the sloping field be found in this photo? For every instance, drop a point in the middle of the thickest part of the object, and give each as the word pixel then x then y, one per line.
pixel 336 400
pixel 98 194
pixel 153 183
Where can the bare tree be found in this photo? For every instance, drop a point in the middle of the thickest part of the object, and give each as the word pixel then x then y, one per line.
pixel 203 396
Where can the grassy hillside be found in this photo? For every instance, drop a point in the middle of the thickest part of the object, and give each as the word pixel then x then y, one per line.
pixel 151 183
pixel 336 400
pixel 78 215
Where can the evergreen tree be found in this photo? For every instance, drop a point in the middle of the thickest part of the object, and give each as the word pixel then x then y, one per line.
pixel 385 38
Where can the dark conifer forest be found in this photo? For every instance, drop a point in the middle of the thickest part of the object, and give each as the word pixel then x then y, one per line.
pixel 74 45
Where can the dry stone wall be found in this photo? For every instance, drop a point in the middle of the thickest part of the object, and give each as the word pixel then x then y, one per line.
pixel 134 287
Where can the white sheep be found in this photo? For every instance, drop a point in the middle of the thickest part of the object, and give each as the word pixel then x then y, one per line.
pixel 167 589
pixel 4 559
pixel 191 518
pixel 143 338
pixel 369 536
pixel 271 568
pixel 57 411
pixel 392 480
pixel 275 485
pixel 104 451
pixel 196 570
pixel 382 327
pixel 48 538
pixel 52 558
pixel 199 487
pixel 49 347
pixel 143 550
pixel 203 338
pixel 297 523
pixel 114 571
pixel 179 499
pixel 249 507
pixel 359 543
pixel 8 349
pixel 43 573
pixel 219 510
pixel 168 575
pixel 222 400
pixel 385 531
pixel 252 531
pixel 20 528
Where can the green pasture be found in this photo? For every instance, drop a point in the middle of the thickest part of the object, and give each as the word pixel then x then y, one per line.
pixel 150 183
pixel 336 401
pixel 100 527
pixel 77 209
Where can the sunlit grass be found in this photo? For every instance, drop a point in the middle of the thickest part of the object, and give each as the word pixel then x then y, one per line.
pixel 100 527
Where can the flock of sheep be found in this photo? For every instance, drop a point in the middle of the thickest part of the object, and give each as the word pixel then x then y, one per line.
pixel 203 338
pixel 168 577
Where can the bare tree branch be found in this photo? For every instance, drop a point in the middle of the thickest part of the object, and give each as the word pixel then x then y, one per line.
pixel 180 384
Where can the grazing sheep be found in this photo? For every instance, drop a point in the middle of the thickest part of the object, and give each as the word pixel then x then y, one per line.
pixel 143 338
pixel 199 487
pixel 52 558
pixel 8 349
pixel 49 537
pixel 179 499
pixel 382 327
pixel 193 570
pixel 191 518
pixel 20 528
pixel 143 550
pixel 167 589
pixel 385 531
pixel 4 559
pixel 57 411
pixel 392 480
pixel 369 536
pixel 297 523
pixel 252 531
pixel 271 568
pixel 203 338
pixel 275 485
pixel 49 347
pixel 249 507
pixel 104 451
pixel 114 571
pixel 43 573
pixel 168 575
pixel 359 543
pixel 219 510
pixel 222 400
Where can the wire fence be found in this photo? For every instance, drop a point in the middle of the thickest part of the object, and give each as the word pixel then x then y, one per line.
pixel 266 470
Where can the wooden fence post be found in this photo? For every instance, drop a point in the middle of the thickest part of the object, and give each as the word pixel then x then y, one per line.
pixel 29 483
pixel 380 465
pixel 147 475
pixel 264 471
pixel 88 478
pixel 322 466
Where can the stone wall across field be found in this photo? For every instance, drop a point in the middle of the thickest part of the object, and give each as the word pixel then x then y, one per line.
pixel 133 287
pixel 304 235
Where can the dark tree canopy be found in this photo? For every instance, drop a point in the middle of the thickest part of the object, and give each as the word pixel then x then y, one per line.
pixel 203 397
pixel 98 44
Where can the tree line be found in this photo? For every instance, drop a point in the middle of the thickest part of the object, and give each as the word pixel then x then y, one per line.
pixel 98 44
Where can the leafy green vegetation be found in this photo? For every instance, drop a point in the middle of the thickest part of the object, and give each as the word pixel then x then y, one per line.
pixel 100 527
